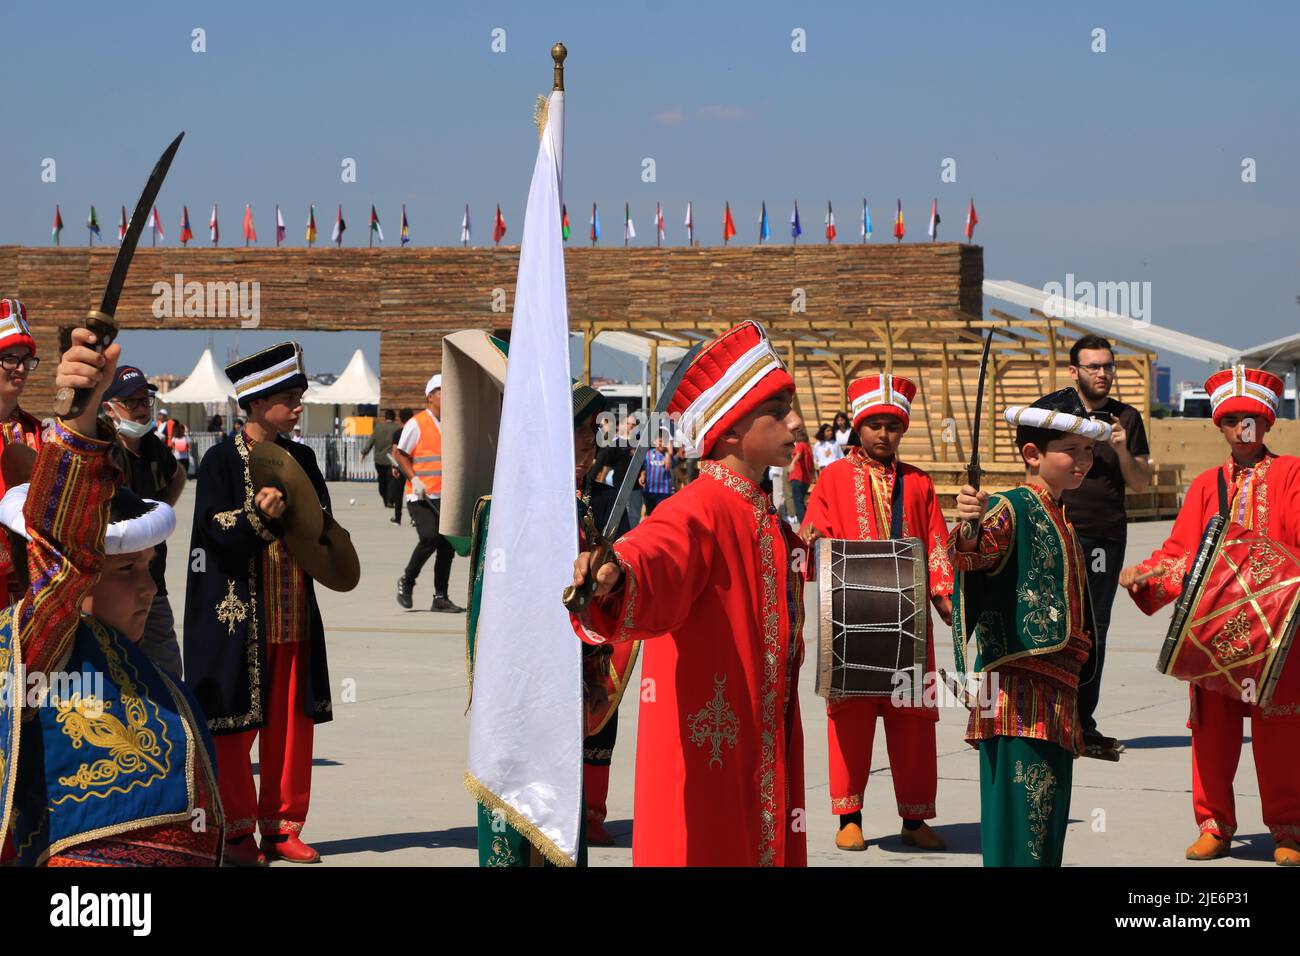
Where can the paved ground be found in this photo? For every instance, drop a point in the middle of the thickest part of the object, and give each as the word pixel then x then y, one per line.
pixel 387 782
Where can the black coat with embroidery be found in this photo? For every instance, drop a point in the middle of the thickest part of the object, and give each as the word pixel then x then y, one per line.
pixel 225 639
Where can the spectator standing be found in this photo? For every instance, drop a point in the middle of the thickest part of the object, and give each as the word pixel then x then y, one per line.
pixel 801 472
pixel 152 472
pixel 381 443
pixel 418 454
pixel 656 479
pixel 827 450
pixel 180 447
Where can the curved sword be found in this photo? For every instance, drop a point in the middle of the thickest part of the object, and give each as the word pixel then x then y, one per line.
pixel 969 528
pixel 69 403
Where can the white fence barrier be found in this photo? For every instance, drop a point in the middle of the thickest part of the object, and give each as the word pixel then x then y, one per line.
pixel 340 459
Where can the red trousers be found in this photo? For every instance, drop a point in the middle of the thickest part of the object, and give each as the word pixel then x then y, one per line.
pixel 913 761
pixel 595 790
pixel 1216 748
pixel 283 751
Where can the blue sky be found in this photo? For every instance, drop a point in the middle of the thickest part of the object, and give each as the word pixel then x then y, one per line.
pixel 1122 165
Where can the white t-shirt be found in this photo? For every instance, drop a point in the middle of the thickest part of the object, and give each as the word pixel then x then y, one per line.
pixel 843 435
pixel 826 452
pixel 409 438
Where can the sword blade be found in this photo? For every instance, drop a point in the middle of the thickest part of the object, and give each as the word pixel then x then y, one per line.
pixel 973 469
pixel 643 446
pixel 125 252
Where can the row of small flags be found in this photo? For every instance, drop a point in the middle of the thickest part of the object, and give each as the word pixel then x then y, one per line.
pixel 729 223
pixel 155 227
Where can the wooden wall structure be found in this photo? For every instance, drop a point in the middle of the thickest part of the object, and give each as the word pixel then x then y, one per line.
pixel 836 311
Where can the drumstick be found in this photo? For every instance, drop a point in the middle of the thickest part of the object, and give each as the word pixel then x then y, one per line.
pixel 1145 576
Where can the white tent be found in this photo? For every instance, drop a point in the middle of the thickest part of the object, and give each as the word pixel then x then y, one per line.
pixel 207 390
pixel 358 385
pixel 207 383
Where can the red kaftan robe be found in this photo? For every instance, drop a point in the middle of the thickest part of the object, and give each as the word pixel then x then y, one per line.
pixel 1263 498
pixel 713 583
pixel 852 500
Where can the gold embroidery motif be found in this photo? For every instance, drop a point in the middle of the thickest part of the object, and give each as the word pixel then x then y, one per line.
pixel 1042 624
pixel 715 723
pixel 1040 791
pixel 231 611
pixel 1233 643
pixel 226 519
pixel 502 856
pixel 132 746
pixel 1263 562
pixel 845 804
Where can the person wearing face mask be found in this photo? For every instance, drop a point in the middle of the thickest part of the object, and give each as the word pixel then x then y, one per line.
pixel 151 471
pixel 17 359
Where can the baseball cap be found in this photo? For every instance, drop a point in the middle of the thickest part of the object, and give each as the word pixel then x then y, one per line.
pixel 127 380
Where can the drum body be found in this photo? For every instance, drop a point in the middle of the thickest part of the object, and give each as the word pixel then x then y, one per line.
pixel 1236 618
pixel 873 617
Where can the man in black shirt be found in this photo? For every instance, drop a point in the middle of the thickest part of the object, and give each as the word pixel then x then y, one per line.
pixel 151 472
pixel 1096 509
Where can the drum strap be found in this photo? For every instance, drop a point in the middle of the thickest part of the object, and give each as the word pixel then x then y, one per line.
pixel 896 505
pixel 1223 495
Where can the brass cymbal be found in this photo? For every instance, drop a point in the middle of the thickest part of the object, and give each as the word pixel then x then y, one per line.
pixel 329 558
pixel 269 465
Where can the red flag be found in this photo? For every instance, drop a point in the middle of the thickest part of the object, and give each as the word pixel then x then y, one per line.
pixel 971 221
pixel 499 227
pixel 186 233
pixel 250 234
pixel 899 229
pixel 728 226
pixel 830 223
pixel 121 226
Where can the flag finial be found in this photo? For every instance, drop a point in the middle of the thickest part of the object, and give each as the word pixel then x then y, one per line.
pixel 558 53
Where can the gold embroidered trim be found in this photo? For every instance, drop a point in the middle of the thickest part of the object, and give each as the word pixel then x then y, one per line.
pixel 252 646
pixel 226 519
pixel 491 801
pixel 845 804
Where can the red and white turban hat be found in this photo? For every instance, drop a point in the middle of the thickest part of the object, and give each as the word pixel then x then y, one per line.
pixel 881 395
pixel 732 376
pixel 1244 391
pixel 13 326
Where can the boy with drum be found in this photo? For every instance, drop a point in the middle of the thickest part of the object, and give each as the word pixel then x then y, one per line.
pixel 853 500
pixel 1263 493
pixel 1021 590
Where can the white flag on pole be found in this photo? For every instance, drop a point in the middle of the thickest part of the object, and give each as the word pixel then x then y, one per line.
pixel 526 722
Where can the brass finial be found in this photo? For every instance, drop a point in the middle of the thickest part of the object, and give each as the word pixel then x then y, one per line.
pixel 558 53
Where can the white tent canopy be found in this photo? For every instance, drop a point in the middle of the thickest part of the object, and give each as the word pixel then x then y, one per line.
pixel 207 383
pixel 358 385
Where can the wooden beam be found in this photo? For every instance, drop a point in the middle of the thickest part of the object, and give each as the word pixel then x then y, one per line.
pixel 587 335
pixel 1051 357
pixel 654 373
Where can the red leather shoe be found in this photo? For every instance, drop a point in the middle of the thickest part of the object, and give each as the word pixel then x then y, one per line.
pixel 289 848
pixel 597 835
pixel 243 852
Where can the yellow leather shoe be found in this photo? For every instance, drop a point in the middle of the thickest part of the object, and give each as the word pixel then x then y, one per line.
pixel 850 838
pixel 1287 852
pixel 1209 847
pixel 924 838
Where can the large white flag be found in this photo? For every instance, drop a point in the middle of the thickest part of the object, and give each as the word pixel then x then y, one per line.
pixel 526 719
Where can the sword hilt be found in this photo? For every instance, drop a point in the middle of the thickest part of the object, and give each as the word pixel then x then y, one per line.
pixel 969 529
pixel 69 402
pixel 576 599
